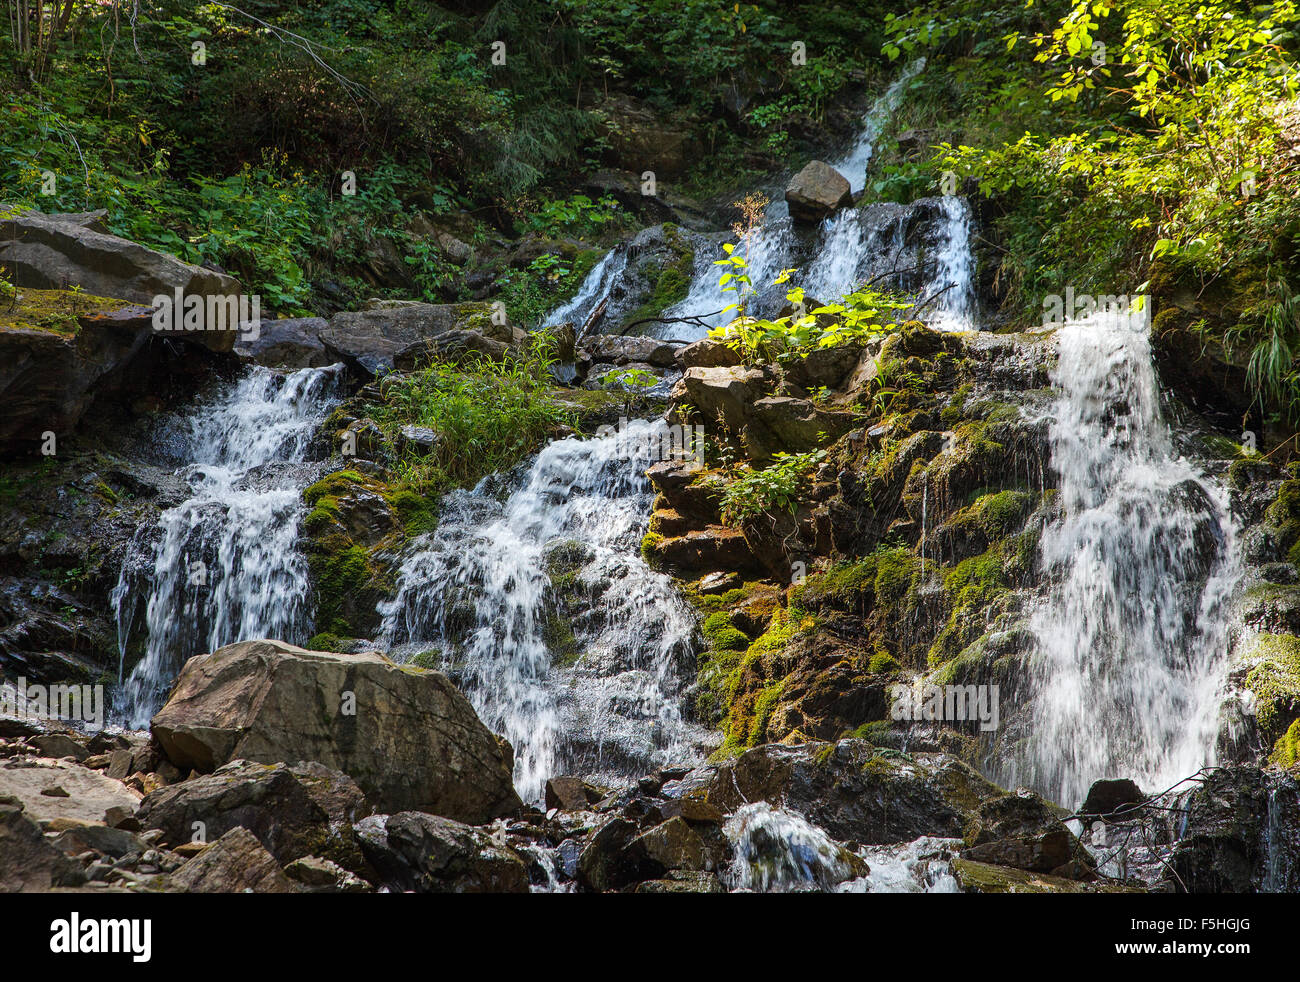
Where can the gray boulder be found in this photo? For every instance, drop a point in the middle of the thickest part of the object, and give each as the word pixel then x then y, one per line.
pixel 407 736
pixel 817 191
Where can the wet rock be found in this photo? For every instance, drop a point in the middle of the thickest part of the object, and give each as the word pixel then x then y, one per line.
pixel 294 811
pixel 855 791
pixel 977 877
pixel 453 346
pixel 407 736
pixel 427 854
pixel 1112 799
pixel 628 350
pixel 235 863
pixel 1241 834
pixel 287 342
pixel 682 881
pixel 569 793
pixel 817 191
pixel 719 582
pixel 606 863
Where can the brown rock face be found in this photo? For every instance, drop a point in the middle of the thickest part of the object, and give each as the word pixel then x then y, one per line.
pixel 407 736
pixel 817 191
pixel 235 863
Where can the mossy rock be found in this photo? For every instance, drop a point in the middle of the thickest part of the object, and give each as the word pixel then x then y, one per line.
pixel 1274 677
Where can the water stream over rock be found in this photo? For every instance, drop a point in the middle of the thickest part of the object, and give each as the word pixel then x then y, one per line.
pixel 224 565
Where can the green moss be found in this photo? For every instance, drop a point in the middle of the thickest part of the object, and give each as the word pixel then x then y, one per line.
pixel 883 663
pixel 674 280
pixel 648 544
pixel 1283 516
pixel 1274 678
pixel 557 635
pixel 417 513
pixel 332 485
pixel 872 732
pixel 329 642
pixel 52 311
pixel 431 660
pixel 1286 752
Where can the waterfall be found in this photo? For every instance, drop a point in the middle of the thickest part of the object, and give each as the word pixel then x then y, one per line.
pixel 954 308
pixel 853 165
pixel 780 851
pixel 225 565
pixel 483 592
pixel 767 249
pixel 595 288
pixel 1132 638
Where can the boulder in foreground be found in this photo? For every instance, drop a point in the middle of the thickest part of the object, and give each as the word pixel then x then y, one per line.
pixel 407 736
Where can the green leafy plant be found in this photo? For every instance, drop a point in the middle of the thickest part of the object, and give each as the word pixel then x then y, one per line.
pixel 778 487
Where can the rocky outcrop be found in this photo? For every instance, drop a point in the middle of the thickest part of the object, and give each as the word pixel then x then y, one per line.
pixel 817 191
pixel 368 341
pixel 58 351
pixel 57 252
pixel 287 342
pixel 407 736
pixel 426 854
pixel 303 810
pixel 853 790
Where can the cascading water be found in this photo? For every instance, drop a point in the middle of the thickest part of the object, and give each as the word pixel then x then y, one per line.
pixel 1132 638
pixel 853 165
pixel 482 591
pixel 225 566
pixel 954 307
pixel 595 287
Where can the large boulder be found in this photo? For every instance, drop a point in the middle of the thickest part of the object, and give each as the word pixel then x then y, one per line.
pixel 817 191
pixel 368 340
pixel 57 252
pixel 303 810
pixel 55 789
pixel 426 854
pixel 407 736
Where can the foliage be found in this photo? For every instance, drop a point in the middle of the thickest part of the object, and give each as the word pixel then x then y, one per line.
pixel 487 415
pixel 778 487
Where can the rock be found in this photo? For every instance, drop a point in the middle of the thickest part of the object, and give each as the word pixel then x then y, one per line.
pixel 568 793
pixel 853 790
pixel 418 439
pixel 58 745
pixel 719 582
pixel 454 346
pixel 682 881
pixel 87 794
pixel 976 877
pixel 411 741
pixel 368 340
pixel 912 141
pixel 606 862
pixel 783 423
pixel 287 342
pixel 817 191
pixel 296 811
pixel 728 392
pixel 823 367
pixel 29 863
pixel 707 353
pixel 709 548
pixel 624 351
pixel 1241 834
pixel 100 839
pixel 1110 800
pixel 678 845
pixel 319 875
pixel 235 863
pixel 1044 852
pixel 427 854
pixel 46 253
pixel 53 365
